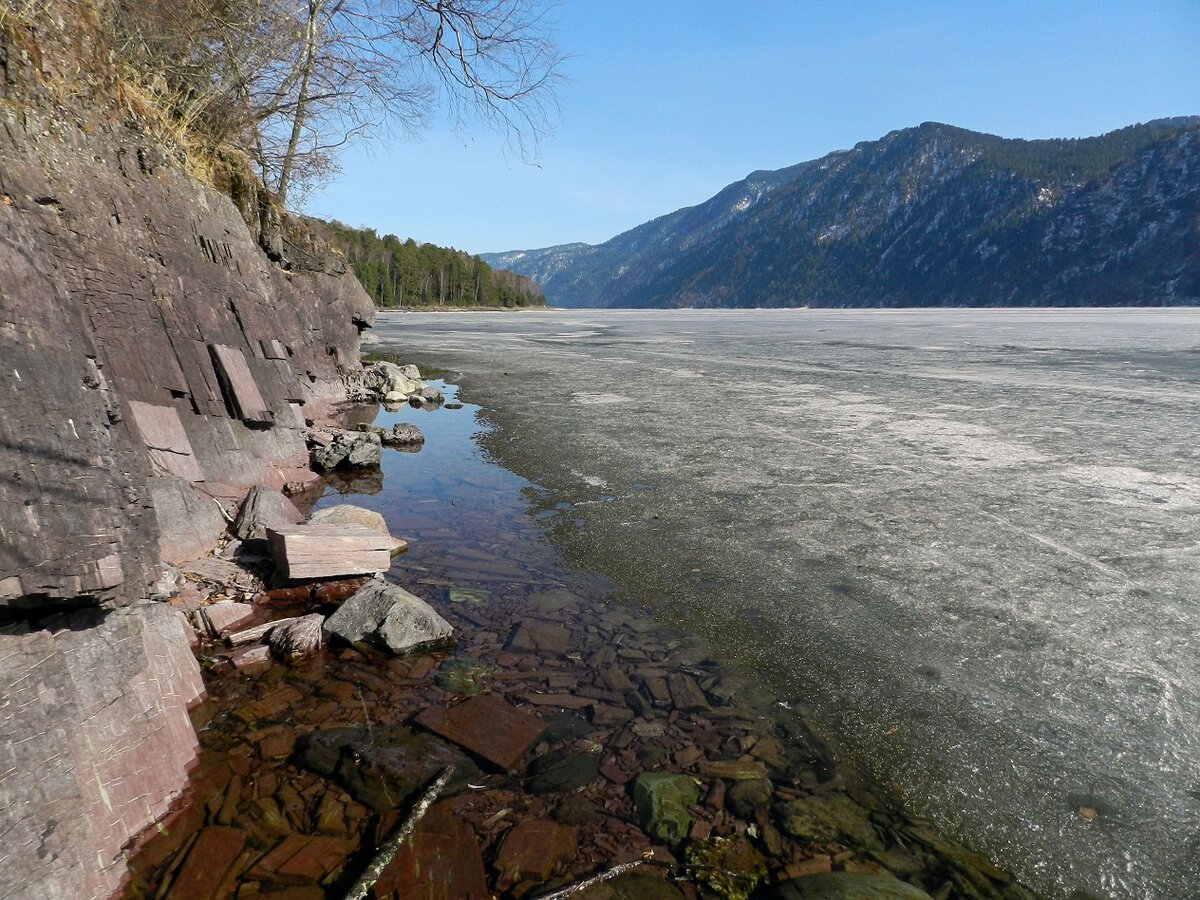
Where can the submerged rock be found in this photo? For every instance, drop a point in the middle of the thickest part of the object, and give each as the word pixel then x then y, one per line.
pixel 745 798
pixel 729 867
pixel 388 616
pixel 829 817
pixel 381 766
pixel 662 801
pixel 847 886
pixel 561 772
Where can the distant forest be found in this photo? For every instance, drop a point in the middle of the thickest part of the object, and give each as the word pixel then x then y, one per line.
pixel 405 273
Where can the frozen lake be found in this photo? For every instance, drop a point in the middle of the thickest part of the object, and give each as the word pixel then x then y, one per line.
pixel 968 540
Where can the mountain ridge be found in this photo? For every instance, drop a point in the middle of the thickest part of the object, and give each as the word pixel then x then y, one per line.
pixel 932 215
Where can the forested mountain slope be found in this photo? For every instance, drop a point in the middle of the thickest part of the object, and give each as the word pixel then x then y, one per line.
pixel 926 216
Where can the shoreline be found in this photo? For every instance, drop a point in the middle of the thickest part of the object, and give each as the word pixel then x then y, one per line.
pixel 565 670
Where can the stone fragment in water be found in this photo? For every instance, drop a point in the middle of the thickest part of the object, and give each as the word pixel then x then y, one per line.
pixel 487 726
pixel 463 675
pixel 442 860
pixel 685 693
pixel 390 617
pixel 467 595
pixel 209 863
pixel 847 886
pixel 299 638
pixel 561 772
pixel 532 850
pixel 328 551
pixel 732 769
pixel 252 660
pixel 264 508
pixel 663 800
pixel 747 797
pixel 532 636
pixel 224 615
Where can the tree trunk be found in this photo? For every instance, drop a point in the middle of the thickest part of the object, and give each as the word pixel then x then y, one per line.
pixel 307 64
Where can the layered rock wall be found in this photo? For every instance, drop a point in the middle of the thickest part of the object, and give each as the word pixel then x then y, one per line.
pixel 154 362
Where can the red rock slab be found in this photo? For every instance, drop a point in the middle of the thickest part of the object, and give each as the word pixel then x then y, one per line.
pixel 532 850
pixel 209 862
pixel 487 726
pixel 442 861
pixel 240 385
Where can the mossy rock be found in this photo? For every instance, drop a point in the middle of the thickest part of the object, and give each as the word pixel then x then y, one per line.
pixel 662 800
pixel 847 886
pixel 463 675
pixel 829 818
pixel 729 868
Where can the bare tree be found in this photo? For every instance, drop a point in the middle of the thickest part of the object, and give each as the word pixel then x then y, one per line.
pixel 366 66
pixel 293 81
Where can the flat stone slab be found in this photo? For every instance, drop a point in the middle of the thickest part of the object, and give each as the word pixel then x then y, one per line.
pixel 328 551
pixel 487 726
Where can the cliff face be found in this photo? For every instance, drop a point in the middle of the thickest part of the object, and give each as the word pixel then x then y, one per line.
pixel 925 216
pixel 155 363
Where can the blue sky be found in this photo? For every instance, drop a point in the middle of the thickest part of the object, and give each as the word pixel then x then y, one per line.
pixel 668 101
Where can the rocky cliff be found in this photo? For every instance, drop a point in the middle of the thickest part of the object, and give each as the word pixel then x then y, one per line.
pixel 155 362
pixel 925 216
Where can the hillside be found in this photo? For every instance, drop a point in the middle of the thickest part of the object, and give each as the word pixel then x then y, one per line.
pixel 404 273
pixel 926 216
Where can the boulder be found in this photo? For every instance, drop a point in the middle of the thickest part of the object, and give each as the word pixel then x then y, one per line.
pixel 349 514
pixel 264 508
pixel 847 886
pixel 403 435
pixel 411 371
pixel 344 450
pixel 662 800
pixel 297 638
pixel 388 616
